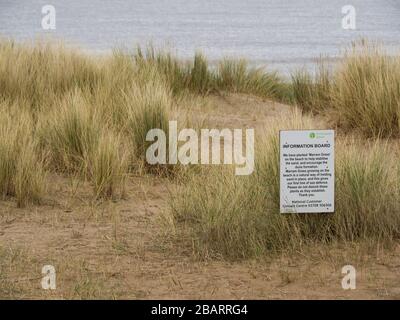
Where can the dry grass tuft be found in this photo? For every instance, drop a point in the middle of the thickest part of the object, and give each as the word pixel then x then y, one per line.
pixel 363 92
pixel 107 167
pixel 238 217
pixel 21 168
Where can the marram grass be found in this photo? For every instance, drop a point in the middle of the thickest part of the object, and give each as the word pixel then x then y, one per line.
pixel 361 94
pixel 65 112
pixel 21 168
pixel 199 77
pixel 238 217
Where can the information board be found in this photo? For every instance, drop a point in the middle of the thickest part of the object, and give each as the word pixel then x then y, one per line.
pixel 307 171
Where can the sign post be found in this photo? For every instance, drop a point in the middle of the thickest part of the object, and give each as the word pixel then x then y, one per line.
pixel 307 171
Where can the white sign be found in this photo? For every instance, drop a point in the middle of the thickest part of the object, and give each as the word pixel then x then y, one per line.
pixel 307 171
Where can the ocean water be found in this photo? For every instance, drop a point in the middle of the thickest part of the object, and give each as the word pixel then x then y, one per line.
pixel 282 34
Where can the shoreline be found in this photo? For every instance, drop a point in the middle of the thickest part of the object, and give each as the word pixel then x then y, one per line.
pixel 284 67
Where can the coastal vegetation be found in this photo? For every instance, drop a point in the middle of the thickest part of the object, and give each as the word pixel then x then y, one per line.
pixel 63 112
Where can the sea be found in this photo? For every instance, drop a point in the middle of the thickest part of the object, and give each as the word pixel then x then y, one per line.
pixel 283 35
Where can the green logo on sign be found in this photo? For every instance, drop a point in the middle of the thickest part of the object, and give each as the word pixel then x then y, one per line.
pixel 312 135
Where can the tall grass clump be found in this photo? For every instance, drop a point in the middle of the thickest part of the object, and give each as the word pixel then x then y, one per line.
pixel 197 76
pixel 192 76
pixel 21 168
pixel 312 93
pixel 39 73
pixel 70 133
pixel 200 79
pixel 368 192
pixel 238 217
pixel 362 93
pixel 78 141
pixel 109 94
pixel 366 91
pixel 174 73
pixel 107 166
pixel 237 76
pixel 149 108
